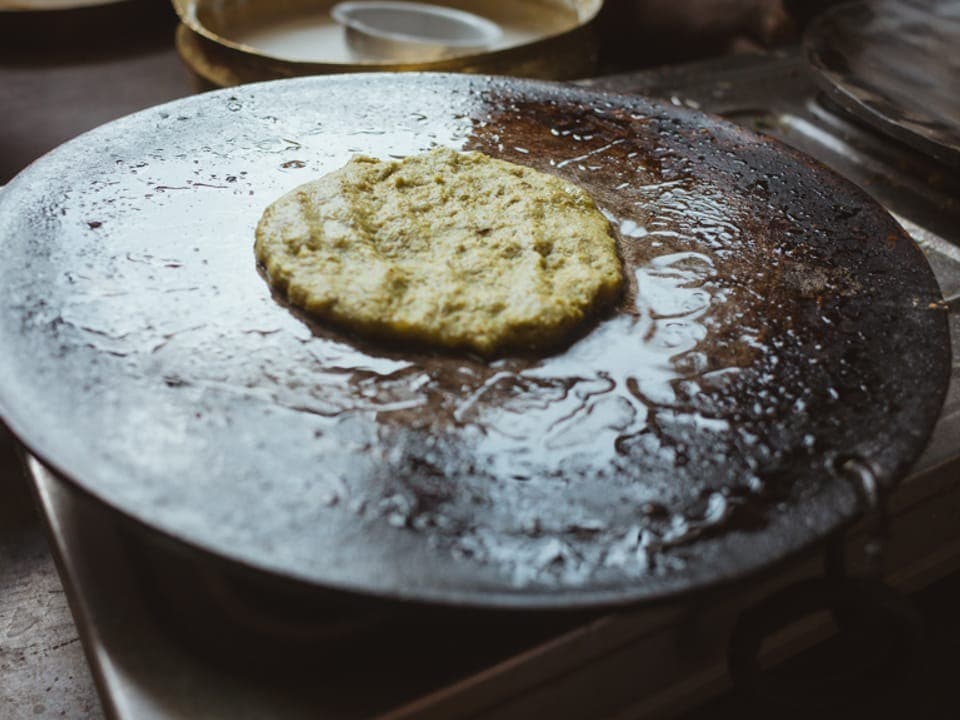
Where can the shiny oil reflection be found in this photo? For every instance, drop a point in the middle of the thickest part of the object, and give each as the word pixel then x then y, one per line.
pixel 710 396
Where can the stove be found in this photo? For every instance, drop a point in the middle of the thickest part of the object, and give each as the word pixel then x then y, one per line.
pixel 168 639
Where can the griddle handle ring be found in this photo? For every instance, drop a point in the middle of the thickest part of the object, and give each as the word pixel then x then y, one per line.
pixel 857 606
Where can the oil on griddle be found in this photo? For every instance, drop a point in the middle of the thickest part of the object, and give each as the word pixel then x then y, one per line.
pixel 691 436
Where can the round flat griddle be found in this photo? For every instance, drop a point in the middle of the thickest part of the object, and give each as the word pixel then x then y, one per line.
pixel 894 64
pixel 777 327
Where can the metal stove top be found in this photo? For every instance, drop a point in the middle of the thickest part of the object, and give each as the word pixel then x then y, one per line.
pixel 645 663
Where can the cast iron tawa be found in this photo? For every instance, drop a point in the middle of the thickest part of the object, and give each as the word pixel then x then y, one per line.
pixel 780 343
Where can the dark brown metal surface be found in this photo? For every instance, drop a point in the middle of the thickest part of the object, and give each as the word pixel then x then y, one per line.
pixel 777 324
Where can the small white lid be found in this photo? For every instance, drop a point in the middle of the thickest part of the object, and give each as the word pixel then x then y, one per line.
pixel 386 24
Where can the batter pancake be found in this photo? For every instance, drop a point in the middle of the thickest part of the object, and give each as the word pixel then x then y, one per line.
pixel 455 250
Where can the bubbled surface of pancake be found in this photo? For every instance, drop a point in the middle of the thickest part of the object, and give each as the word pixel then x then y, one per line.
pixel 455 250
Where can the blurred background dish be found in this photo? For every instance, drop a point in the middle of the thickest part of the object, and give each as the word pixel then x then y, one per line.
pixel 44 5
pixel 227 43
pixel 895 65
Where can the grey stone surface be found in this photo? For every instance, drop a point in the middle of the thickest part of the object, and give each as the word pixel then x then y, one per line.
pixel 43 673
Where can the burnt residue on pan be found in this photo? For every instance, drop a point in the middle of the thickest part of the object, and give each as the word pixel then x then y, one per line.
pixel 717 389
pixel 776 323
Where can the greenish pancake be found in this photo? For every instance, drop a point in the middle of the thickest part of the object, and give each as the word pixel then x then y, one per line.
pixel 454 250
